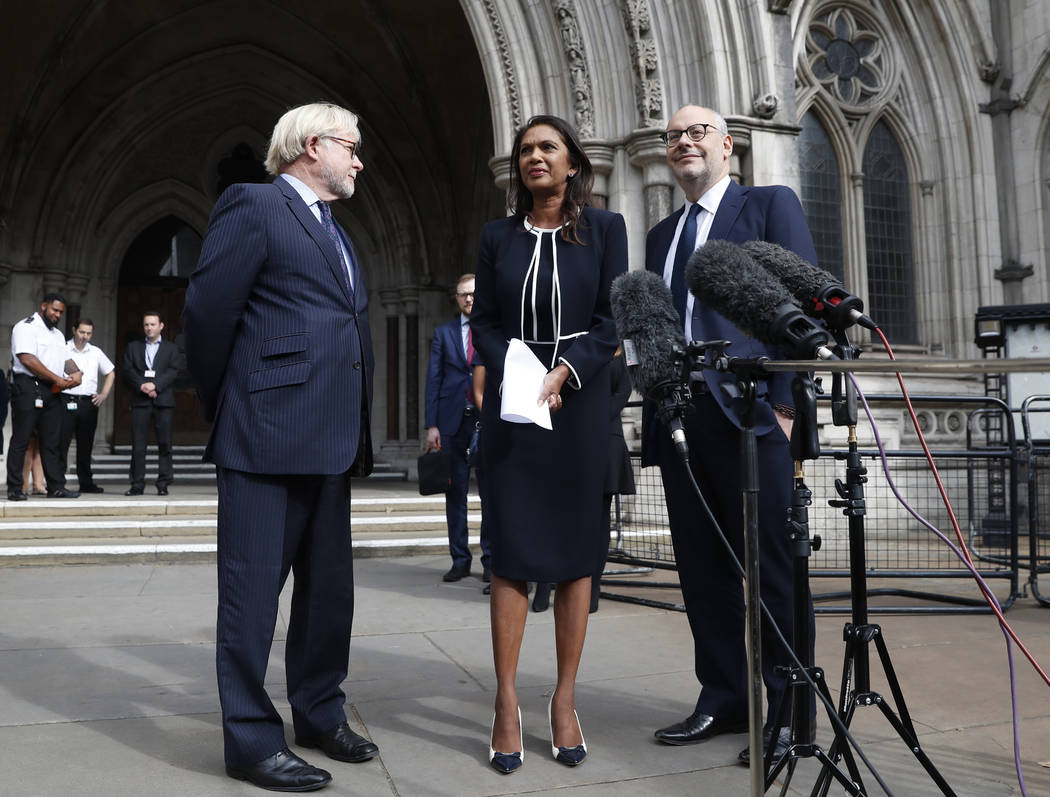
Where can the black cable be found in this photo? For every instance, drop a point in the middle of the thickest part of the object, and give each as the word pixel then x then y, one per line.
pixel 832 711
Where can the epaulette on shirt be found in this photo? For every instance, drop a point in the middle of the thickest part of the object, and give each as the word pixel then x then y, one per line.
pixel 28 320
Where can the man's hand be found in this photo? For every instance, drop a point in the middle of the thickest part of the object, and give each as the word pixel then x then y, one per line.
pixel 98 398
pixel 149 389
pixel 433 438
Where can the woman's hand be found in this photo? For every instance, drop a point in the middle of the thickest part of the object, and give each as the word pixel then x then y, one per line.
pixel 550 393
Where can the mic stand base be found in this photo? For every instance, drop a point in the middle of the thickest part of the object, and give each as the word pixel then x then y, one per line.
pixel 857 638
pixel 801 722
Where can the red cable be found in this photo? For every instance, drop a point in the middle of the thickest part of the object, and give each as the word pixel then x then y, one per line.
pixel 989 598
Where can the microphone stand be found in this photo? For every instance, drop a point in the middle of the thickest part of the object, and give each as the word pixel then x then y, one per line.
pixel 747 373
pixel 859 633
pixel 804 445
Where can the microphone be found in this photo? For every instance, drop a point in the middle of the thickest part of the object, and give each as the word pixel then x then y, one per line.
pixel 724 277
pixel 818 291
pixel 653 346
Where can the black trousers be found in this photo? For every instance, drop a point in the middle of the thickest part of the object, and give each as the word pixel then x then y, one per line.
pixel 160 419
pixel 711 586
pixel 46 420
pixel 269 525
pixel 81 423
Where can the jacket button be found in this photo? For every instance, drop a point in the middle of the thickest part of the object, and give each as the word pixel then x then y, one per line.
pixel 357 366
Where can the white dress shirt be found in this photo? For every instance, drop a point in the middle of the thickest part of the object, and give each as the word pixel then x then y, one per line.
pixel 91 360
pixel 709 203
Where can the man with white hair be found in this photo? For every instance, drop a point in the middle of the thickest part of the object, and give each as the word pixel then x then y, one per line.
pixel 278 343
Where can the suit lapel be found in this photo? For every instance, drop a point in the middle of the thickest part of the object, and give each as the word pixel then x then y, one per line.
pixel 729 208
pixel 316 232
pixel 662 244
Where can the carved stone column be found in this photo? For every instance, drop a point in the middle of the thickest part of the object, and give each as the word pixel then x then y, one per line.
pixel 390 299
pixel 499 165
pixel 410 307
pixel 602 156
pixel 647 152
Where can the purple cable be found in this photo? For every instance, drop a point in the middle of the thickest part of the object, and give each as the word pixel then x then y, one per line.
pixel 977 576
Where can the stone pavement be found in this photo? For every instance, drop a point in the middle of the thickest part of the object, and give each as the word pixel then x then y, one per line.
pixel 107 688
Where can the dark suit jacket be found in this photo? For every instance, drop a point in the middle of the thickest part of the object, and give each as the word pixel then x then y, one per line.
pixel 448 379
pixel 746 213
pixel 166 364
pixel 278 345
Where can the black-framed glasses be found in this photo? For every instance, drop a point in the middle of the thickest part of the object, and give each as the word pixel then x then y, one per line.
pixel 695 132
pixel 353 147
pixel 465 294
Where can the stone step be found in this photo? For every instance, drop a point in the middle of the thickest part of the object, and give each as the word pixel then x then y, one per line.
pixel 113 550
pixel 125 507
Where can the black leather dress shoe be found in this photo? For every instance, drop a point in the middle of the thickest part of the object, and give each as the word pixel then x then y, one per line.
pixel 342 744
pixel 92 488
pixel 133 491
pixel 16 495
pixel 162 491
pixel 283 771
pixel 62 492
pixel 699 727
pixel 782 745
pixel 456 573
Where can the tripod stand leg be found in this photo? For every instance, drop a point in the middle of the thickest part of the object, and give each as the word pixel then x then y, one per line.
pixel 903 724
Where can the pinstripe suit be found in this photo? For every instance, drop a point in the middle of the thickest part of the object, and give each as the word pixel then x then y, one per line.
pixel 280 349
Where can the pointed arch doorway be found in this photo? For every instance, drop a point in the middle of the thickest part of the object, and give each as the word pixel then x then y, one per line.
pixel 153 277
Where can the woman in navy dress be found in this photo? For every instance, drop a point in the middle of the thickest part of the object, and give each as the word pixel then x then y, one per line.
pixel 543 277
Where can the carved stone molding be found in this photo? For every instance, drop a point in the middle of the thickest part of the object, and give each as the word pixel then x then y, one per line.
pixel 927 187
pixel 579 72
pixel 510 79
pixel 499 165
pixel 778 6
pixel 847 55
pixel 989 71
pixel 55 280
pixel 1013 271
pixel 75 288
pixel 765 106
pixel 5 273
pixel 648 91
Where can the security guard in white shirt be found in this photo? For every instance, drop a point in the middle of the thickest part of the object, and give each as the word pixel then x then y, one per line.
pixel 38 373
pixel 82 402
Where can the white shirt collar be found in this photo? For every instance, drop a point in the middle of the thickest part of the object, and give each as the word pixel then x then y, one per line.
pixel 307 193
pixel 713 197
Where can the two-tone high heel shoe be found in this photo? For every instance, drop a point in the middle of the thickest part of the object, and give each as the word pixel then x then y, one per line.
pixel 506 763
pixel 570 756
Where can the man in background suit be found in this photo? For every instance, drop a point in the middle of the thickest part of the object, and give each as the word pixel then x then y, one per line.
pixel 150 368
pixel 278 343
pixel 451 420
pixel 698 151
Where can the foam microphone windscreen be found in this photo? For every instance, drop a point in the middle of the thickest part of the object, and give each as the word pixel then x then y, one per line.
pixel 802 279
pixel 644 313
pixel 724 277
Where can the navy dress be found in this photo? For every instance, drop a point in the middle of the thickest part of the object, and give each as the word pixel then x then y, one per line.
pixel 546 486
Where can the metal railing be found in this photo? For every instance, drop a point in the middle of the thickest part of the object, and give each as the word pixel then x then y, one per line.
pixel 983 481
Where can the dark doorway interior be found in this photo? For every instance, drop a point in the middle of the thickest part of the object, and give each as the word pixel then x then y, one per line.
pixel 154 276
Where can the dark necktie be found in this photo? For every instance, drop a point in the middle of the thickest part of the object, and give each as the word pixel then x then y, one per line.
pixel 329 227
pixel 686 245
pixel 470 359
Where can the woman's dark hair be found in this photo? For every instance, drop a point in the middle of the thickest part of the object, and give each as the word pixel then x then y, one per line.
pixel 578 187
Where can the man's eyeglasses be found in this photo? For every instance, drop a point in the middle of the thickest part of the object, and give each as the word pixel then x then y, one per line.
pixel 351 146
pixel 466 295
pixel 695 132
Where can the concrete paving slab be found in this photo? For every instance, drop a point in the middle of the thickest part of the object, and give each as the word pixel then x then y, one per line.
pixel 107 687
